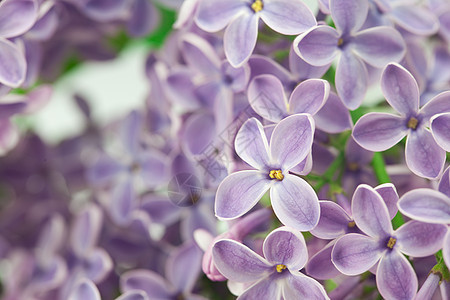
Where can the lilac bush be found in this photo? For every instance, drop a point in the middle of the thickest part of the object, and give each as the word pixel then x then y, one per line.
pixel 284 150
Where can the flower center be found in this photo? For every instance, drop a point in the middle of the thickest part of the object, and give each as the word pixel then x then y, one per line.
pixel 351 224
pixel 257 6
pixel 391 243
pixel 276 174
pixel 340 42
pixel 280 268
pixel 352 166
pixel 412 123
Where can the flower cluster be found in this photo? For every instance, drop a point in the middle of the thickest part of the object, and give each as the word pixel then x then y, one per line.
pixel 287 149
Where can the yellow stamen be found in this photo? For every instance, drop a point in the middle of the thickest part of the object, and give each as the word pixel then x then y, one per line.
pixel 412 123
pixel 280 268
pixel 276 174
pixel 257 6
pixel 351 224
pixel 391 243
pixel 340 41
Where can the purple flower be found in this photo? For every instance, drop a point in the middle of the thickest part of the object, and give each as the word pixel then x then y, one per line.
pixel 274 276
pixel 293 200
pixel 241 17
pixel 85 289
pixel 381 131
pixel 376 46
pixel 440 127
pixel 355 253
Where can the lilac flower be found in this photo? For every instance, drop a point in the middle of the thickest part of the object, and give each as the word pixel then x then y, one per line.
pixel 274 276
pixel 381 131
pixel 356 253
pixel 427 205
pixel 17 17
pixel 241 17
pixel 293 200
pixel 440 127
pixel 376 46
pixel 85 289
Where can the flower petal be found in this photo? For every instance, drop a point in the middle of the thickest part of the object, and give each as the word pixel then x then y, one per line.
pixel 266 287
pixel 183 266
pixel 214 15
pixel 151 283
pixel 333 117
pixel 17 17
pixel 389 194
pixel 396 278
pixel 309 96
pixel 423 155
pixel 291 140
pixel 239 192
pixel 437 105
pixel 426 205
pixel 240 38
pixel 123 202
pixel 351 80
pixel 379 131
pixel 85 289
pixel 370 212
pixel 286 246
pixel 333 221
pixel 440 127
pixel 266 96
pixel 86 229
pixel 133 295
pixel 420 239
pixel 239 263
pixel 300 286
pixel 295 203
pixel 288 16
pixel 12 64
pixel 444 183
pixel 379 46
pixel 251 144
pixel 320 266
pixel 446 249
pixel 400 89
pixel 144 17
pixel 355 253
pixel 415 19
pixel 349 16
pixel 97 265
pixel 318 46
pixel 199 54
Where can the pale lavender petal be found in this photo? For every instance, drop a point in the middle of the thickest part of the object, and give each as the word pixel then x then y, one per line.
pixel 333 117
pixel 239 263
pixel 85 290
pixel 104 169
pixel 446 249
pixel 266 96
pixel 351 79
pixel 370 212
pixel 214 15
pixel 198 133
pixel 105 10
pixel 423 155
pixel 291 140
pixel 379 46
pixel 349 16
pixel 130 132
pixel 333 221
pixel 419 239
pixel 97 265
pixel 186 12
pixel 144 17
pixel 240 38
pixel 12 64
pixel 356 154
pixel 133 295
pixel 389 194
pixel 415 19
pixel 239 192
pixel 123 202
pixel 396 278
pixel 86 229
pixel 235 78
pixel 183 266
pixel 261 65
pixel 151 283
pixel 200 55
pixel 9 136
pixel 17 17
pixel 309 96
pixel 300 286
pixel 302 70
pixel 38 98
pixel 444 183
pixel 379 131
pixel 320 266
pixel 295 203
pixel 153 167
pixel 46 26
pixel 437 105
pixel 400 89
pixel 354 253
pixel 251 144
pixel 440 127
pixel 318 46
pixel 287 247
pixel 429 287
pixel 266 288
pixel 288 16
pixel 426 205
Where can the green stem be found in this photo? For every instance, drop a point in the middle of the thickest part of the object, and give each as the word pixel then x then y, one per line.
pixel 329 173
